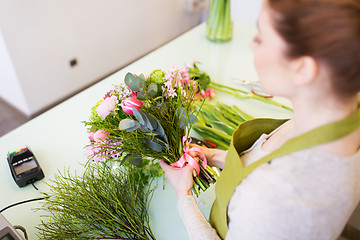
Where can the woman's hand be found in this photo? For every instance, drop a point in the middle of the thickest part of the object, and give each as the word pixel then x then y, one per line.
pixel 180 178
pixel 215 157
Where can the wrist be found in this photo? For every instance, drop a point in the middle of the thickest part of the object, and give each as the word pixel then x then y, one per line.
pixel 183 193
pixel 218 159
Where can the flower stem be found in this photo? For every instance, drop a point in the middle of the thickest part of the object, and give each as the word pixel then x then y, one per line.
pixel 246 95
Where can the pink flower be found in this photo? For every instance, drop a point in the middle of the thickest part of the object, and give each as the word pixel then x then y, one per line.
pixel 202 93
pixel 100 135
pixel 185 75
pixel 106 106
pixel 102 151
pixel 128 104
pixel 134 94
pixel 210 93
pixel 93 152
pixel 108 94
pixel 91 135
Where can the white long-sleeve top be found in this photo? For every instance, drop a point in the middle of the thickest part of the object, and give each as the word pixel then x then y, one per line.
pixel 308 194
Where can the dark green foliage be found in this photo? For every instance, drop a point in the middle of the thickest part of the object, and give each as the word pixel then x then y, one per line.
pixel 202 77
pixel 102 203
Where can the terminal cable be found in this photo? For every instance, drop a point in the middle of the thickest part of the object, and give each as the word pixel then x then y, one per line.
pixel 26 201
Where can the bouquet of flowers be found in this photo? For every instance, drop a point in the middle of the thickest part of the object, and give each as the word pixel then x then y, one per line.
pixel 149 117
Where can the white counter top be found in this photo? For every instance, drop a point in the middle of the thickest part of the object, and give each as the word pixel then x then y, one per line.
pixel 57 137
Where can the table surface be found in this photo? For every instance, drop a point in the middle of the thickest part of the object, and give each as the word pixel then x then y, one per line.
pixel 58 136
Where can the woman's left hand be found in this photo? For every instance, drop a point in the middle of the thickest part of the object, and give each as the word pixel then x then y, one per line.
pixel 180 178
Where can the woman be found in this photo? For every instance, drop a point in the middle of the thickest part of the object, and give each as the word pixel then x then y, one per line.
pixel 300 178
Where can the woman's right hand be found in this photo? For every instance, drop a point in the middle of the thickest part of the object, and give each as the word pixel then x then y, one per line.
pixel 215 157
pixel 181 179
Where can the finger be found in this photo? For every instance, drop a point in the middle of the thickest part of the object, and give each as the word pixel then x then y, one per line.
pixel 164 165
pixel 194 145
pixel 189 168
pixel 193 154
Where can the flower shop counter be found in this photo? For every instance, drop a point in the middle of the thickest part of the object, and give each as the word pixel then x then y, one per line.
pixel 58 137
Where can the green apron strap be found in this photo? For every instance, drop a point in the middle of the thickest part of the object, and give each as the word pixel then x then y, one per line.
pixel 323 134
pixel 243 138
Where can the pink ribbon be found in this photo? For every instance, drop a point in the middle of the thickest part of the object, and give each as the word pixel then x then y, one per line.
pixel 187 158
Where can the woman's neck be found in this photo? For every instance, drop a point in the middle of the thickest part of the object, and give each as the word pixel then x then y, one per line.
pixel 311 114
pixel 308 116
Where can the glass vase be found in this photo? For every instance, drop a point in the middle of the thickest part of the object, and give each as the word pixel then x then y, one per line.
pixel 219 27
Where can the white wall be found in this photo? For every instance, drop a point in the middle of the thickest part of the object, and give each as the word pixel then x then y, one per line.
pixel 245 10
pixel 42 36
pixel 10 89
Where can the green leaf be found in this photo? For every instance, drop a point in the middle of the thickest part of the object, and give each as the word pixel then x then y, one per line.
pixel 150 121
pixel 152 90
pixel 141 95
pixel 135 85
pixel 138 116
pixel 153 145
pixel 222 143
pixel 146 120
pixel 185 118
pixel 135 160
pixel 242 113
pixel 127 124
pixel 129 78
pixel 215 132
pixel 141 80
pixel 222 126
pixel 159 130
pixel 144 129
pixel 192 119
pixel 142 76
pixel 124 159
pixel 181 113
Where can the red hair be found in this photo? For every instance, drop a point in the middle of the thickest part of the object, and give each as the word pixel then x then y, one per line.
pixel 329 31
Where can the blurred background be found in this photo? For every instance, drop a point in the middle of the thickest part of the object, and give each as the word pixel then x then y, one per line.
pixel 52 49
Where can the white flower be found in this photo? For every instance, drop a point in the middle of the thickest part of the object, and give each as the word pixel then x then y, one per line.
pixel 168 84
pixel 169 76
pixel 171 93
pixel 124 91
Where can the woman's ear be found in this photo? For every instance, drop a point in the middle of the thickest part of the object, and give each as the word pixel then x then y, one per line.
pixel 305 70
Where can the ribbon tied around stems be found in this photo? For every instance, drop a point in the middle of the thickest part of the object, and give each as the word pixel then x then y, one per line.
pixel 187 158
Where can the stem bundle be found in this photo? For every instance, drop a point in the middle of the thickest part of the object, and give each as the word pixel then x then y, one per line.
pixel 219 26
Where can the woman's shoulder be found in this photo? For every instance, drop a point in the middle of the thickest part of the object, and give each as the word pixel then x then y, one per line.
pixel 299 190
pixel 306 177
pixel 316 161
pixel 315 168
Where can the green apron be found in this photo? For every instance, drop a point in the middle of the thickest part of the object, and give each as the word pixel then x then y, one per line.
pixel 244 137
